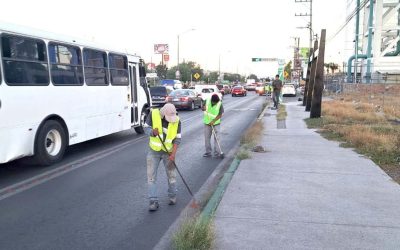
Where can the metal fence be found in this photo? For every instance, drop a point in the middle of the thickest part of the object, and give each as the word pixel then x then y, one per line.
pixel 382 93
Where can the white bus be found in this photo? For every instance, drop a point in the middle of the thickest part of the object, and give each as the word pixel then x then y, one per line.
pixel 56 91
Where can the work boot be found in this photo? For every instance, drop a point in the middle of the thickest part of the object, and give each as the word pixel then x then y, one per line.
pixel 207 155
pixel 153 206
pixel 172 200
pixel 219 156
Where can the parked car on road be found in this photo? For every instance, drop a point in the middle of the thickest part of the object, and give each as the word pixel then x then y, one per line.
pixel 158 94
pixel 288 90
pixel 185 99
pixel 227 89
pixel 260 89
pixel 250 87
pixel 239 90
pixel 208 92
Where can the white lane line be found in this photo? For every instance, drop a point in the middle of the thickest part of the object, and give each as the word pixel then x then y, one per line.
pixel 51 174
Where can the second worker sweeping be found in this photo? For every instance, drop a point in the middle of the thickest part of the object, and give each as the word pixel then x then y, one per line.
pixel 213 111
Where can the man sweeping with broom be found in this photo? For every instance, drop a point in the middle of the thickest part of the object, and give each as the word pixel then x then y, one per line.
pixel 213 111
pixel 164 128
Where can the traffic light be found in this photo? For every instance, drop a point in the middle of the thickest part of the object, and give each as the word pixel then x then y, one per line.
pixel 256 59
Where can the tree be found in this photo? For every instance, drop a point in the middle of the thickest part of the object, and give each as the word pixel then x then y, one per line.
pixel 288 70
pixel 326 65
pixel 212 77
pixel 252 76
pixel 232 77
pixel 161 71
pixel 186 69
pixel 333 67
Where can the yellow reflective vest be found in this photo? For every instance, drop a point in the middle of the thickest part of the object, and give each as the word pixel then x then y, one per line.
pixel 211 112
pixel 172 131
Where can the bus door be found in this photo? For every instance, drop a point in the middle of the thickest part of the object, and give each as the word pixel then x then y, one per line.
pixel 134 99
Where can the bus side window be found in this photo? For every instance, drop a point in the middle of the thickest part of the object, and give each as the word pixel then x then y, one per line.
pixel 24 61
pixel 66 64
pixel 142 74
pixel 96 73
pixel 118 65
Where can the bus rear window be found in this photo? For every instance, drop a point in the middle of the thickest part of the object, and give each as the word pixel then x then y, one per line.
pixel 118 69
pixel 66 64
pixel 24 61
pixel 96 73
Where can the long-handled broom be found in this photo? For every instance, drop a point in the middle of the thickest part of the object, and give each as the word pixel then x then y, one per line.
pixel 221 154
pixel 194 204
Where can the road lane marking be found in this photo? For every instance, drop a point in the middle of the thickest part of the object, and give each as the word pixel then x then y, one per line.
pixel 66 168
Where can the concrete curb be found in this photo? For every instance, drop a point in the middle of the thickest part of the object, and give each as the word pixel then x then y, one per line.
pixel 213 203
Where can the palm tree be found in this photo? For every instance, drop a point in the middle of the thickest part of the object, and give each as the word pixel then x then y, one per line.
pixel 326 65
pixel 333 67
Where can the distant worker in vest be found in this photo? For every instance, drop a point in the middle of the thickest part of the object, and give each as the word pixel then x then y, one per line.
pixel 213 111
pixel 277 86
pixel 162 123
pixel 268 89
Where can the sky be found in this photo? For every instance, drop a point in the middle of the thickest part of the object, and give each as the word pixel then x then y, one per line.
pixel 226 35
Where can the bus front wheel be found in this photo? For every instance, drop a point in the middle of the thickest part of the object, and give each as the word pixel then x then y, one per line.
pixel 143 117
pixel 50 144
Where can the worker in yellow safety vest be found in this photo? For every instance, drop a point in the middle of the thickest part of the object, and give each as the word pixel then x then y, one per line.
pixel 213 111
pixel 162 123
pixel 267 89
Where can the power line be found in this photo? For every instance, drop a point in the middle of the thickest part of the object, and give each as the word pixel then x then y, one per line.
pixel 348 19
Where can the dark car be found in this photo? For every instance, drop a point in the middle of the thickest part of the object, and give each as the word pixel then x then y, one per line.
pixel 239 90
pixel 185 99
pixel 159 95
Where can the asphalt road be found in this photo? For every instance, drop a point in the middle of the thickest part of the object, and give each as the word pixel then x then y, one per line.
pixel 96 198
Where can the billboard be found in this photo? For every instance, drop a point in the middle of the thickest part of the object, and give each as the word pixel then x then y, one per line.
pixel 161 48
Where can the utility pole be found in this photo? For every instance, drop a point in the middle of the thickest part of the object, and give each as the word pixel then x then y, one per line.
pixel 296 61
pixel 310 22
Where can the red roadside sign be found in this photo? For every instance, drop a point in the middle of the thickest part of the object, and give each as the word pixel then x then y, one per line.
pixel 166 57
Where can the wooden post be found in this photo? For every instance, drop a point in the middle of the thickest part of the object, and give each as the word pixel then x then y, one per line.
pixel 307 78
pixel 312 77
pixel 319 79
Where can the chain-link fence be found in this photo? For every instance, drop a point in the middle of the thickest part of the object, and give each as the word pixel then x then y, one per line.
pixel 383 93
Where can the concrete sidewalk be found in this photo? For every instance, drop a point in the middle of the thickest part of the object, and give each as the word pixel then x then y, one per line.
pixel 307 193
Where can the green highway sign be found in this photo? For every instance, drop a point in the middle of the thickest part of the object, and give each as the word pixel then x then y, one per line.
pixel 258 59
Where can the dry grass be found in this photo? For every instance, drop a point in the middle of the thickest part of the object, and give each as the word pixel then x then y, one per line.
pixel 253 134
pixel 366 127
pixel 250 139
pixel 382 97
pixel 194 234
pixel 281 115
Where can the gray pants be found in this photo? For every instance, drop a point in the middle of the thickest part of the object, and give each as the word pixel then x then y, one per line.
pixel 153 161
pixel 207 136
pixel 276 95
